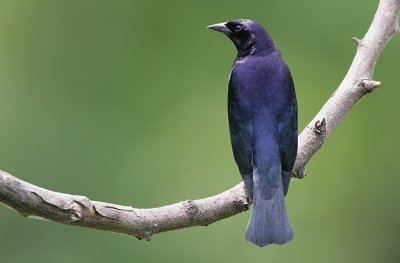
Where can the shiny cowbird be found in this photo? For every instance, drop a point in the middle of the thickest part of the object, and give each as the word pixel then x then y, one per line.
pixel 262 111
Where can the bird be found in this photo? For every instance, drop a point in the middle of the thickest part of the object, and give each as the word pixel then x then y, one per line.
pixel 262 114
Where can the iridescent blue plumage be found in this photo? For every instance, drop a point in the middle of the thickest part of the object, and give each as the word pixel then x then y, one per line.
pixel 262 112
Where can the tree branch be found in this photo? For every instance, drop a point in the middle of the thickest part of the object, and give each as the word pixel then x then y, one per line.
pixel 30 200
pixel 354 86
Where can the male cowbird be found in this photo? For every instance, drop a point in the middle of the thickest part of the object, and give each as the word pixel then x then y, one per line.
pixel 262 111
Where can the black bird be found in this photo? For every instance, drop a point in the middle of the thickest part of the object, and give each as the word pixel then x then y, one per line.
pixel 262 110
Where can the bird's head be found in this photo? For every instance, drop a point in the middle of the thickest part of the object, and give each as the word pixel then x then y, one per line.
pixel 248 35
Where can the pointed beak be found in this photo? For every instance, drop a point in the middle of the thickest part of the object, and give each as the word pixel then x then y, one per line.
pixel 220 27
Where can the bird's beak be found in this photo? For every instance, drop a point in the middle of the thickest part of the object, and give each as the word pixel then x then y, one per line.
pixel 220 27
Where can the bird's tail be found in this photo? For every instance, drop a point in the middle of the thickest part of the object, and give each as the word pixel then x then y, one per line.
pixel 269 222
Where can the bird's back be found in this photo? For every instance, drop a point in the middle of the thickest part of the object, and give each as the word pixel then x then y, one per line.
pixel 258 84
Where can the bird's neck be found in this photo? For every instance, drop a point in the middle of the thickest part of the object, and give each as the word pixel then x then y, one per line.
pixel 256 50
pixel 260 45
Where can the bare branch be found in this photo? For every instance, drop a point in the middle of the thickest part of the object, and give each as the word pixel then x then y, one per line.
pixel 354 86
pixel 30 200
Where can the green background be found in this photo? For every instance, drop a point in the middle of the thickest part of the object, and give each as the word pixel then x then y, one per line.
pixel 125 102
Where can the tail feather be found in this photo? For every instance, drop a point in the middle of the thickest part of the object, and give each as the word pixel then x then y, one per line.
pixel 269 222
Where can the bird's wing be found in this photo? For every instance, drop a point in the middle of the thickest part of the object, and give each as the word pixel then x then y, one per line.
pixel 242 149
pixel 240 127
pixel 288 130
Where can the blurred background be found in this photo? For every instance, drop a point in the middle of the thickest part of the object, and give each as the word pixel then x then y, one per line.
pixel 125 102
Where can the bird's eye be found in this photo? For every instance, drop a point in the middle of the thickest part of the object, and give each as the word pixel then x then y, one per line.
pixel 238 28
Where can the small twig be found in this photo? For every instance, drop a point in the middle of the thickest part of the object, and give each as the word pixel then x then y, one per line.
pixel 369 85
pixel 357 40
